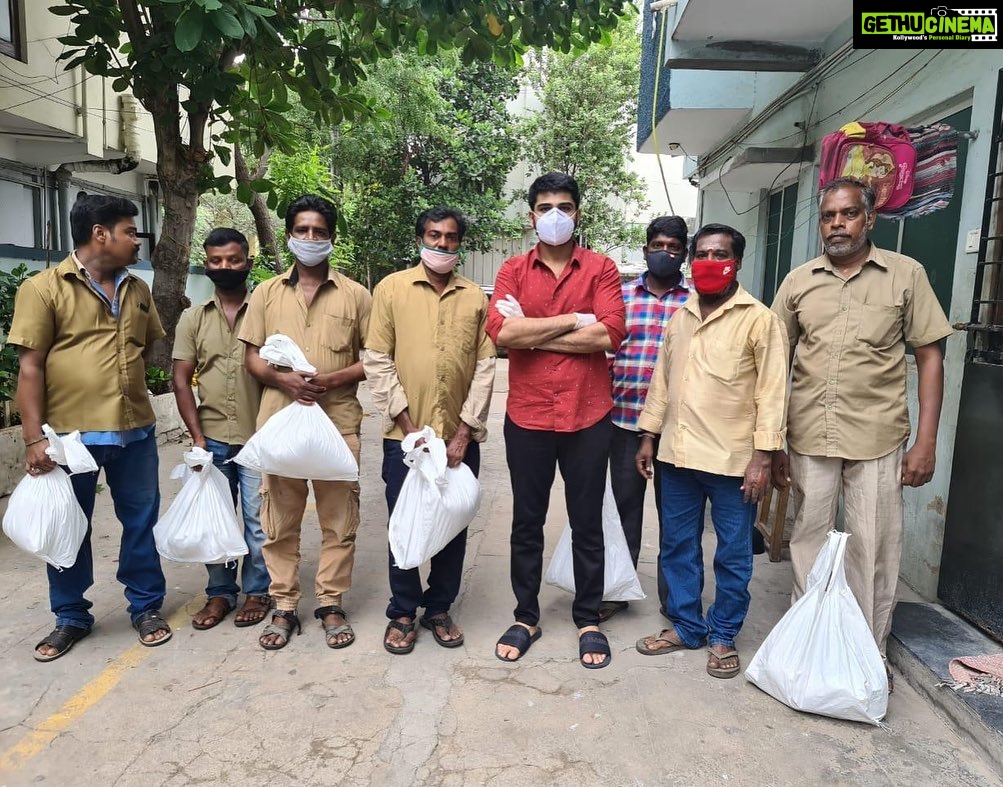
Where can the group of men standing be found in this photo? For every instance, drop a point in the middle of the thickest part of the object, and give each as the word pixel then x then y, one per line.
pixel 680 379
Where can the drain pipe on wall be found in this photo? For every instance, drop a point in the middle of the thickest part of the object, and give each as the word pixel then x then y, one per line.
pixel 129 116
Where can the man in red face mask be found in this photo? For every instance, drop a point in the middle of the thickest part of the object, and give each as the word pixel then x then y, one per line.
pixel 717 403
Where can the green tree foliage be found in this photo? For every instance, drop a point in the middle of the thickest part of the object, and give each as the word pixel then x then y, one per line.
pixel 217 72
pixel 9 283
pixel 443 137
pixel 586 129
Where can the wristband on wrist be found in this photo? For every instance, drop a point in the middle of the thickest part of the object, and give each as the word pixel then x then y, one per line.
pixel 649 434
pixel 40 439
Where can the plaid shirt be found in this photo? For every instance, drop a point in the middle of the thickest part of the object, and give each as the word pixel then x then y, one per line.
pixel 647 316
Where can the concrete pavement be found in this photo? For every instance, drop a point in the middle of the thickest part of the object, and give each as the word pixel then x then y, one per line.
pixel 212 707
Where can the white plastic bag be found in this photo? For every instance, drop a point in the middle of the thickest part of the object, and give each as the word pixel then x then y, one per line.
pixel 300 441
pixel 821 657
pixel 43 516
pixel 435 504
pixel 620 582
pixel 280 350
pixel 201 525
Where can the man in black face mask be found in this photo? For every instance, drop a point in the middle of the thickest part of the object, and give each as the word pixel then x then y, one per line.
pixel 206 342
pixel 651 299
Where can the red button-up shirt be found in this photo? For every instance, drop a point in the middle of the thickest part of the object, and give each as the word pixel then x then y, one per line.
pixel 551 391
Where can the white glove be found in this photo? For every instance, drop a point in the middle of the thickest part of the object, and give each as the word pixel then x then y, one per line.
pixel 509 307
pixel 584 320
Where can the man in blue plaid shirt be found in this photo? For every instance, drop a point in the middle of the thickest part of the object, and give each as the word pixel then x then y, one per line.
pixel 651 299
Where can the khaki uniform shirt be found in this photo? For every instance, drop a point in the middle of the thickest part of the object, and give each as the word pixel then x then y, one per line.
pixel 848 392
pixel 331 334
pixel 429 354
pixel 719 389
pixel 229 396
pixel 95 376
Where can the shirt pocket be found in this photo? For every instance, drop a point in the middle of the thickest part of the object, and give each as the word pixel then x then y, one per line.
pixel 338 340
pixel 722 360
pixel 880 326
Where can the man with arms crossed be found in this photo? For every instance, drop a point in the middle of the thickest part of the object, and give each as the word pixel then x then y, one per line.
pixel 558 310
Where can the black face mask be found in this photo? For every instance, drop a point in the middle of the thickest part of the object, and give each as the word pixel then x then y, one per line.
pixel 228 278
pixel 664 265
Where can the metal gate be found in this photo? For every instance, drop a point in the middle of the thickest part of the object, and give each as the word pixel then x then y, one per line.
pixel 971 570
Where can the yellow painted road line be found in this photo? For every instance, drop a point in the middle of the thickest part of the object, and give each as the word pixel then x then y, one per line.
pixel 76 706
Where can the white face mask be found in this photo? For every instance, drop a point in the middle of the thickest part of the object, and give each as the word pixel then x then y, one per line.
pixel 310 252
pixel 555 227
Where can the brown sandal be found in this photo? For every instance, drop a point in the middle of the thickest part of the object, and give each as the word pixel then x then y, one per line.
pixel 404 629
pixel 258 605
pixel 215 609
pixel 720 658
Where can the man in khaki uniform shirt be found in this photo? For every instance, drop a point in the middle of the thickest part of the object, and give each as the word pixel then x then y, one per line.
pixel 327 315
pixel 849 314
pixel 82 328
pixel 429 362
pixel 205 342
pixel 717 403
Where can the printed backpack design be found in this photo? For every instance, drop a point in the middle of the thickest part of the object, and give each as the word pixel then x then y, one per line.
pixel 880 154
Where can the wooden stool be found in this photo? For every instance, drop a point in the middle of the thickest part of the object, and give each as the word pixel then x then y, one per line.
pixel 773 534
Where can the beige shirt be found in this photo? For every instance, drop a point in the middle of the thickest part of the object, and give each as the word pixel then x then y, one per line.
pixel 331 334
pixel 719 389
pixel 429 354
pixel 847 336
pixel 95 376
pixel 229 396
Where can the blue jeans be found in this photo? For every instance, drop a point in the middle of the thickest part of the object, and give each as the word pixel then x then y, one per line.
pixel 132 475
pixel 446 569
pixel 684 497
pixel 253 574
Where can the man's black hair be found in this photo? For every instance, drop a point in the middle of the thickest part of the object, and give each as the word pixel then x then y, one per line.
pixel 553 182
pixel 440 213
pixel 222 236
pixel 669 226
pixel 737 238
pixel 91 209
pixel 317 204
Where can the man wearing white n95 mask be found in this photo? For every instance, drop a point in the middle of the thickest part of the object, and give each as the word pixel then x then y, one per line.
pixel 327 315
pixel 559 310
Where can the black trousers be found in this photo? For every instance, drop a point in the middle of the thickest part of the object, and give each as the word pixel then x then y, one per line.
pixel 629 489
pixel 533 457
pixel 446 568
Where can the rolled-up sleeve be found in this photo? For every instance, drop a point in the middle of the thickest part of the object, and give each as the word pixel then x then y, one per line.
pixel 652 417
pixel 609 307
pixel 474 412
pixel 771 352
pixel 384 386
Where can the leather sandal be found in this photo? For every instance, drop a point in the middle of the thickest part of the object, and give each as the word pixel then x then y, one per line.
pixel 62 638
pixel 285 632
pixel 253 604
pixel 441 621
pixel 150 622
pixel 217 608
pixel 333 631
pixel 404 629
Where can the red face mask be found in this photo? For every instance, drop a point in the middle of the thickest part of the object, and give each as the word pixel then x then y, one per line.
pixel 712 277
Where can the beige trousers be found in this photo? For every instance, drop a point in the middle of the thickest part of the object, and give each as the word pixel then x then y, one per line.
pixel 873 515
pixel 283 501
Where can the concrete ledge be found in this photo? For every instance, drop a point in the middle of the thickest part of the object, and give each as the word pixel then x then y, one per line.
pixel 925 637
pixel 169 427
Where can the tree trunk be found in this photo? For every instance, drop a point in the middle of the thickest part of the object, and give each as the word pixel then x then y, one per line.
pixel 262 216
pixel 179 189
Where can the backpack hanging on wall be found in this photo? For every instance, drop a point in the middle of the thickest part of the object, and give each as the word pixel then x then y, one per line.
pixel 880 154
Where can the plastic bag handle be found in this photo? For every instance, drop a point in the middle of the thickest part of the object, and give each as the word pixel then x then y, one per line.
pixel 837 562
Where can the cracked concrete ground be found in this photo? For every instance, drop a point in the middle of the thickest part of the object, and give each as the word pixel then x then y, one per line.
pixel 212 707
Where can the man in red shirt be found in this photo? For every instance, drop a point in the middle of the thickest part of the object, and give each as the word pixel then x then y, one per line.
pixel 558 310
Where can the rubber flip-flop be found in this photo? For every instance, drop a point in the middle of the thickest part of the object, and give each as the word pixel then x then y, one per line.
pixel 645 650
pixel 723 672
pixel 441 621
